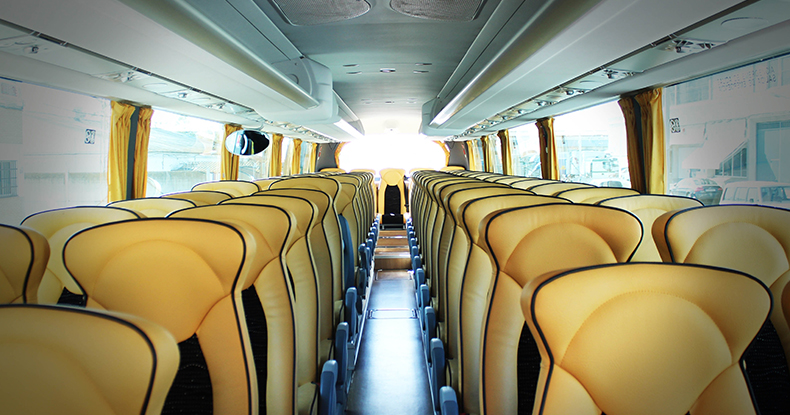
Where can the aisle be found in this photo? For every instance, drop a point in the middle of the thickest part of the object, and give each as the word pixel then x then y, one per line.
pixel 390 376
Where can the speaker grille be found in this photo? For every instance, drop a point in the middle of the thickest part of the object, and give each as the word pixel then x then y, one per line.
pixel 313 12
pixel 447 10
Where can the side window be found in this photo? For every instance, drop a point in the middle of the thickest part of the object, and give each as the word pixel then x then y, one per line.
pixel 728 194
pixel 751 197
pixel 766 194
pixel 740 194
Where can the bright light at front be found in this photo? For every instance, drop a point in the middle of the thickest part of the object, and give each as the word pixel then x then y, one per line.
pixel 400 151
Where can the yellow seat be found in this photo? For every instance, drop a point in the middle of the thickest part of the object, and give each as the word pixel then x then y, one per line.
pixel 69 361
pixel 531 182
pixel 235 188
pixel 253 213
pixel 551 189
pixel 24 254
pixel 451 168
pixel 394 178
pixel 647 208
pixel 592 195
pixel 58 226
pixel 644 338
pixel 154 207
pixel 264 184
pixel 187 275
pixel 332 170
pixel 751 239
pixel 523 244
pixel 200 197
pixel 331 188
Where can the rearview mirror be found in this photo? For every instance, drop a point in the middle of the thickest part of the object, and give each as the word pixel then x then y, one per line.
pixel 246 142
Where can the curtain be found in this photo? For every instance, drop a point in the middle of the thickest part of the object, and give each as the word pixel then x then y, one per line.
pixel 507 160
pixel 141 152
pixel 119 147
pixel 488 166
pixel 313 156
pixel 549 166
pixel 446 151
pixel 644 122
pixel 275 155
pixel 296 156
pixel 473 154
pixel 636 164
pixel 229 162
pixel 337 153
pixel 651 110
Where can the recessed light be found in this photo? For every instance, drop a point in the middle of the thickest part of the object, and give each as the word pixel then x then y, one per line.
pixel 350 65
pixel 423 64
pixel 354 73
pixel 417 71
pixel 742 23
pixel 387 70
pixel 389 102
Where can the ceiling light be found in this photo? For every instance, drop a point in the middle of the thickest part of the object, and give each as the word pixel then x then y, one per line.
pixel 423 64
pixel 744 23
pixel 418 71
pixel 354 73
pixel 387 70
pixel 155 85
pixel 350 65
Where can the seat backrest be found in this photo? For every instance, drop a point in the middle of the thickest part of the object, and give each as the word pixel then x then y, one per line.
pixel 200 197
pixel 592 195
pixel 264 184
pixel 647 208
pixel 235 188
pixel 645 338
pixel 24 254
pixel 551 189
pixel 470 273
pixel 187 275
pixel 319 247
pixel 58 226
pixel 392 177
pixel 751 239
pixel 531 182
pixel 331 187
pixel 523 244
pixel 303 271
pixel 71 361
pixel 154 207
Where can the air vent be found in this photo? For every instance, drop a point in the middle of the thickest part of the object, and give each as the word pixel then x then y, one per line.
pixel 316 12
pixel 445 10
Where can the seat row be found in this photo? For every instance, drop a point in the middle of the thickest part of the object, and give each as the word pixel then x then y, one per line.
pixel 482 240
pixel 258 290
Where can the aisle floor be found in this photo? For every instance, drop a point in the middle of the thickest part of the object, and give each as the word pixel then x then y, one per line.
pixel 390 377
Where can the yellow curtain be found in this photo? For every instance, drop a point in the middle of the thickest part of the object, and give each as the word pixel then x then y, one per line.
pixel 636 163
pixel 446 151
pixel 652 140
pixel 549 166
pixel 119 147
pixel 313 156
pixel 507 161
pixel 337 153
pixel 488 166
pixel 275 155
pixel 296 156
pixel 229 162
pixel 472 154
pixel 141 151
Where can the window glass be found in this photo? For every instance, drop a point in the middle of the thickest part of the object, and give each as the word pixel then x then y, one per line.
pixel 731 127
pixel 256 166
pixel 591 146
pixel 526 150
pixel 286 154
pixel 307 149
pixel 182 151
pixel 379 152
pixel 751 196
pixel 53 149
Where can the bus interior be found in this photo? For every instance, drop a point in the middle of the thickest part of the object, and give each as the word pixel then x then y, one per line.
pixel 426 207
